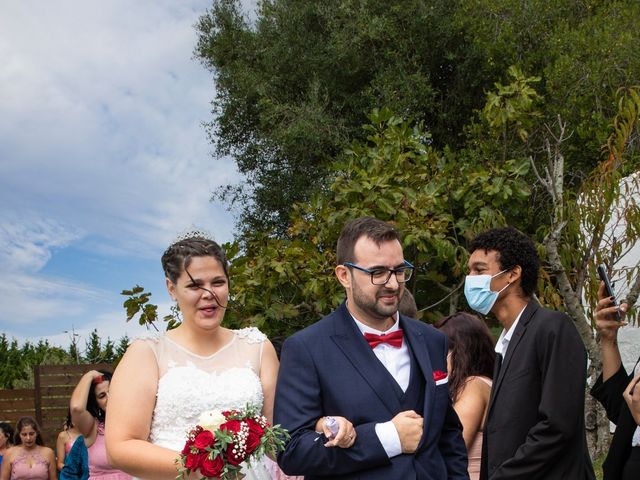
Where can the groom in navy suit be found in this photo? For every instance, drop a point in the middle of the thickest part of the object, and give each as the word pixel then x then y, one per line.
pixel 382 371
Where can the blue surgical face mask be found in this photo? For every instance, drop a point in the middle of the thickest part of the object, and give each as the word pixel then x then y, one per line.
pixel 477 290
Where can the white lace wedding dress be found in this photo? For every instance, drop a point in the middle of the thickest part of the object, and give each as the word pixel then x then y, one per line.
pixel 190 384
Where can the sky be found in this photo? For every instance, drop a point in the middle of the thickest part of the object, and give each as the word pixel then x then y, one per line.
pixel 104 159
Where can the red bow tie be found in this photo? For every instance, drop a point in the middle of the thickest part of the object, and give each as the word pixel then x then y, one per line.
pixel 394 339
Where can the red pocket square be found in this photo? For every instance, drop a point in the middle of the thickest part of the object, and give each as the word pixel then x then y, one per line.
pixel 439 375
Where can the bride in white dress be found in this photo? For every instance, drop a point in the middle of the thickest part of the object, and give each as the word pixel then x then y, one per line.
pixel 164 382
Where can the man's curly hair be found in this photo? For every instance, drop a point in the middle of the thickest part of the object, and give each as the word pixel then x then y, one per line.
pixel 513 248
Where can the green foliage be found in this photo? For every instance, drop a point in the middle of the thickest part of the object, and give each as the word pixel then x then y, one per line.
pixel 282 285
pixel 12 362
pixel 96 352
pixel 17 361
pixel 137 303
pixel 122 346
pixel 293 87
pixel 511 107
pixel 603 222
pixel 93 348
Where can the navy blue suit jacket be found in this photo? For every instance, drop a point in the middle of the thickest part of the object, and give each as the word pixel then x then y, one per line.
pixel 329 369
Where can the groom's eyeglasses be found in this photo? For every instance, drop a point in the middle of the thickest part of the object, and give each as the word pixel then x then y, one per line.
pixel 380 276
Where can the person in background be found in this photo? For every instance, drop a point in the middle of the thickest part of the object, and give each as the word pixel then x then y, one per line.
pixel 470 366
pixel 6 439
pixel 613 390
pixel 535 420
pixel 29 459
pixel 88 413
pixel 65 440
pixel 407 306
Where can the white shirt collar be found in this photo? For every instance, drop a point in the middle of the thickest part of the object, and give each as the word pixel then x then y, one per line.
pixel 367 329
pixel 505 337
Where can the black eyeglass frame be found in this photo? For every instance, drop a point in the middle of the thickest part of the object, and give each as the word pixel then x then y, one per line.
pixel 406 271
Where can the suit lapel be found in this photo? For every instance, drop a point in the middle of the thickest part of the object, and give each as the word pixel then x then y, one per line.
pixel 350 341
pixel 418 345
pixel 512 348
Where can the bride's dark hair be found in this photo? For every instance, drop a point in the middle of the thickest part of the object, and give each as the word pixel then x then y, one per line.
pixel 177 257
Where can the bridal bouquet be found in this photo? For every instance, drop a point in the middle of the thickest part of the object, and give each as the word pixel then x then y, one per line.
pixel 223 440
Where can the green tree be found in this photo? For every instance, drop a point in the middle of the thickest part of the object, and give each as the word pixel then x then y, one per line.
pixel 109 354
pixel 93 348
pixel 292 88
pixel 16 362
pixel 598 225
pixel 12 362
pixel 122 346
pixel 74 351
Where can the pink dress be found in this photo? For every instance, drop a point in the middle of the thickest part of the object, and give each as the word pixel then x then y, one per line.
pixel 475 451
pixel 21 470
pixel 99 467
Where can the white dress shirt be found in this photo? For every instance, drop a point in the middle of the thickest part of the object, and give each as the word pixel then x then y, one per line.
pixel 397 361
pixel 505 337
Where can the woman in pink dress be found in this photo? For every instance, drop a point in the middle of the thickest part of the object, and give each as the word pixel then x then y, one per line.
pixel 29 459
pixel 65 440
pixel 470 364
pixel 88 411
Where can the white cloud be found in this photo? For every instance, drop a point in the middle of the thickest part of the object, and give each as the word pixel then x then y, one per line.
pixel 26 245
pixel 102 146
pixel 26 241
pixel 115 104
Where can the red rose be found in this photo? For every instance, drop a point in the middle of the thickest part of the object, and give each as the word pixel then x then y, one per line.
pixel 187 447
pixel 211 467
pixel 193 460
pixel 231 426
pixel 439 375
pixel 255 434
pixel 203 440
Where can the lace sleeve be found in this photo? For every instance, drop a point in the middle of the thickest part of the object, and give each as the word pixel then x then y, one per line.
pixel 152 337
pixel 251 335
pixel 152 341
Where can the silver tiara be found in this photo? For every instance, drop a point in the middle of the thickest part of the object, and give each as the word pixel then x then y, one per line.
pixel 193 233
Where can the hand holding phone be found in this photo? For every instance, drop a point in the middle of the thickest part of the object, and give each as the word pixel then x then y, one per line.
pixel 608 287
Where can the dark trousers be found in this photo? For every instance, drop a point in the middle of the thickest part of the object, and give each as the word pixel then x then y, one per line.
pixel 631 469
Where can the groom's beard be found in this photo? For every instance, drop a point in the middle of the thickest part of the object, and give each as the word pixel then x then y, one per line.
pixel 371 303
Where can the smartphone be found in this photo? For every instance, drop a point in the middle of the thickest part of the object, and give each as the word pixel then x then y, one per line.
pixel 608 287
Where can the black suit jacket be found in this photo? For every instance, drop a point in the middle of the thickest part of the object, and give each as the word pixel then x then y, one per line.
pixel 535 420
pixel 609 394
pixel 329 369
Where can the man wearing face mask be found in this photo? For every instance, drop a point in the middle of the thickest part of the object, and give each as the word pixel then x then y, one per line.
pixel 535 419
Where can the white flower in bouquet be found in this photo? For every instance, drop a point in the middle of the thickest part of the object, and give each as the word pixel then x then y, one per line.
pixel 211 420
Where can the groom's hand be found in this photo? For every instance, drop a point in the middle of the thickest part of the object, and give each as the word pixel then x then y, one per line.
pixel 409 426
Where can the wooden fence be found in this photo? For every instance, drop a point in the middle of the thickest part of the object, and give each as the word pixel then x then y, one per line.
pixel 48 401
